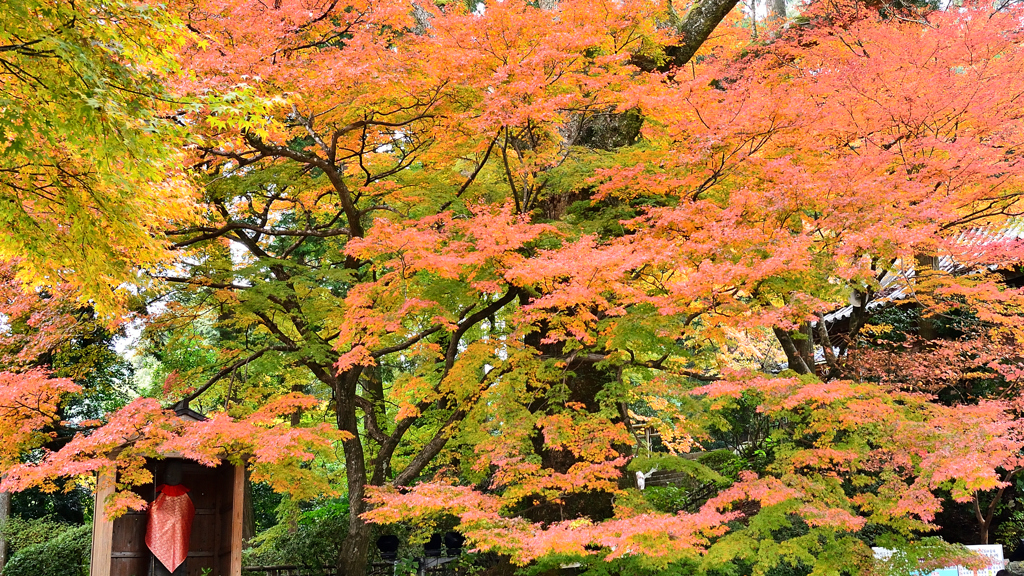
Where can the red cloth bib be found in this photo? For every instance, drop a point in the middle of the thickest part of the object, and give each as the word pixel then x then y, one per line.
pixel 170 525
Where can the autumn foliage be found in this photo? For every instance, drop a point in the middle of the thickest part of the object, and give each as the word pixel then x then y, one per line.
pixel 496 248
pixel 90 171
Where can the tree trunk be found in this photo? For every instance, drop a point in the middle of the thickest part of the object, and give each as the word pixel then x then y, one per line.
pixel 777 9
pixel 5 513
pixel 372 384
pixel 926 264
pixel 984 520
pixel 356 547
pixel 584 387
pixel 799 351
pixel 296 418
pixel 584 383
pixel 352 556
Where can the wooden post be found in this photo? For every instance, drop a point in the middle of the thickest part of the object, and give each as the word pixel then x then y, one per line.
pixel 237 512
pixel 5 513
pixel 102 528
pixel 248 514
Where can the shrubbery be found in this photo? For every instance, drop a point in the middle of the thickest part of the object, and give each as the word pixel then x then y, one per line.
pixel 309 535
pixel 66 554
pixel 22 533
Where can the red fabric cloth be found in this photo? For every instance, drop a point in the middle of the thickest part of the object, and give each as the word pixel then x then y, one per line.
pixel 170 525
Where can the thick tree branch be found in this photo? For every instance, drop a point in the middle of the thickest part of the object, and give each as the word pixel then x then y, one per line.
pixel 826 343
pixel 200 282
pixel 231 368
pixel 352 214
pixel 473 320
pixel 658 364
pixel 209 232
pixel 796 360
pixel 437 443
pixel 472 176
pixel 700 22
pixel 695 28
pixel 276 330
pixel 390 444
pixel 405 343
pixel 372 426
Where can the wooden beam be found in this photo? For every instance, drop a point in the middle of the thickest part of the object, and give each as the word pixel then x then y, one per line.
pixel 5 514
pixel 237 509
pixel 102 528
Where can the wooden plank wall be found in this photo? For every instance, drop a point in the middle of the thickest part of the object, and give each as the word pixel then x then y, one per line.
pixel 204 489
pixel 127 550
pixel 119 547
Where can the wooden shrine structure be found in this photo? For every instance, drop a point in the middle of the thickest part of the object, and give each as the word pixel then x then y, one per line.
pixel 215 547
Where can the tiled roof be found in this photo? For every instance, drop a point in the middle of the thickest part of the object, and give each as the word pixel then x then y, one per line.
pixel 895 285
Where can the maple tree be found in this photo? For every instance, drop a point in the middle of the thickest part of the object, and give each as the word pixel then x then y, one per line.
pixel 59 366
pixel 89 162
pixel 320 285
pixel 58 370
pixel 491 246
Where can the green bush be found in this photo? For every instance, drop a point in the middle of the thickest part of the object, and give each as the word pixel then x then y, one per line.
pixel 65 555
pixel 22 533
pixel 308 534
